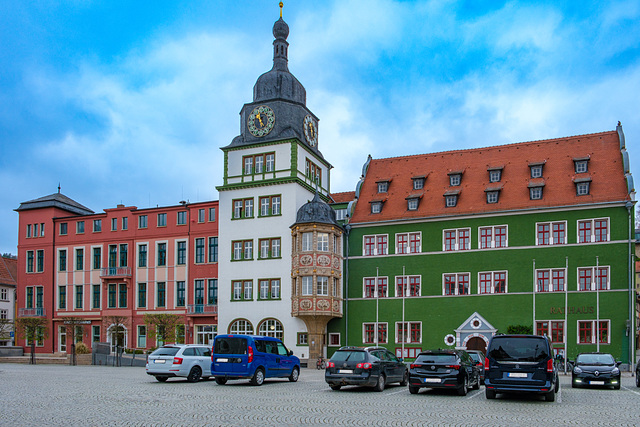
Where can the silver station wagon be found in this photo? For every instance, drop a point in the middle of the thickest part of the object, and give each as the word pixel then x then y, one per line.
pixel 192 361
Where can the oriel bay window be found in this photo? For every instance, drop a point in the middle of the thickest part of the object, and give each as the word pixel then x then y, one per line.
pixel 370 287
pixel 242 290
pixel 369 333
pixel 269 289
pixel 307 285
pixel 586 277
pixel 307 242
pixel 550 280
pixel 269 248
pixel 492 282
pixel 408 332
pixel 322 285
pixel 270 205
pixel 242 250
pixel 408 286
pixel 322 240
pixel 455 284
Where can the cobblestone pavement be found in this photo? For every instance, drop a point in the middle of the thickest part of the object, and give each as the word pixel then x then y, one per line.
pixel 91 395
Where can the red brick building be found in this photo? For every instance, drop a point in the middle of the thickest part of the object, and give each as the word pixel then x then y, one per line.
pixel 124 261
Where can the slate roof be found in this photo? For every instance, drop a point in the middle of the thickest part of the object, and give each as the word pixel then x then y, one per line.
pixel 57 200
pixel 605 169
pixel 8 271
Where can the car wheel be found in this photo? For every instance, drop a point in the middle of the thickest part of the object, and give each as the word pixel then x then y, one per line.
pixel 295 373
pixel 413 389
pixel 335 387
pixel 221 380
pixel 194 374
pixel 405 379
pixel 476 386
pixel 489 394
pixel 574 384
pixel 162 379
pixel 380 384
pixel 557 389
pixel 550 397
pixel 462 391
pixel 258 377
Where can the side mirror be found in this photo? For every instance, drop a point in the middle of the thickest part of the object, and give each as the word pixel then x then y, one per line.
pixel 289 352
pixel 400 359
pixel 618 364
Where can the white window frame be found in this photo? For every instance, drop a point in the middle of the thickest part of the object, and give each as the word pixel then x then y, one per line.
pixel 551 224
pixel 592 285
pixel 376 336
pixel 330 337
pixel 457 288
pixel 409 323
pixel 493 236
pixel 375 244
pixel 457 243
pixel 493 282
pixel 550 270
pixel 592 229
pixel 594 331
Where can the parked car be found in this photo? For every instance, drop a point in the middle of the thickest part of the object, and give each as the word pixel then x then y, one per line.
pixel 478 357
pixel 599 369
pixel 520 364
pixel 453 369
pixel 179 360
pixel 253 357
pixel 637 373
pixel 370 367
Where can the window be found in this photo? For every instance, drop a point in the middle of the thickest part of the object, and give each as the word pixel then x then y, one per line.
pixel 142 295
pixel 125 223
pixel 313 171
pixel 550 280
pixel 142 255
pixel 260 163
pixel 111 297
pixel 307 242
pixel 182 217
pixel 495 175
pixel 79 227
pixel 582 188
pixel 334 339
pixel 412 203
pixel 383 186
pixel 40 260
pixel 200 215
pixel 212 292
pixel 269 248
pixel 457 240
pixel 376 207
pixel 413 289
pixel 142 336
pixel 492 282
pixel 124 262
pixel 63 228
pixel 213 249
pixel 162 220
pixel 581 165
pixel 122 295
pixel 270 205
pixel 408 243
pixel 586 275
pixel 492 196
pixel 181 256
pixel 455 179
pixel 97 258
pixel 418 182
pixel 307 285
pixel 303 338
pixel 370 287
pixel 242 290
pixel 28 230
pixel 551 233
pixel 95 333
pixel 62 260
pixel 241 326
pixel 79 296
pixel 593 230
pixel 551 328
pixel 243 208
pixel 180 293
pixel 30 261
pixel 450 200
pixel 142 221
pixel 79 259
pixel 62 297
pixel 97 225
pixel 199 250
pixel 322 240
pixel 96 296
pixel 114 224
pixel 161 294
pixel 408 332
pixel 113 255
pixel 535 193
pixel 369 333
pixel 322 285
pixel 269 288
pixel 4 295
pixel 341 214
pixel 493 237
pixel 41 229
pixel 455 284
pixel 587 331
pixel 162 254
pixel 212 214
pixel 536 170
pixel 242 250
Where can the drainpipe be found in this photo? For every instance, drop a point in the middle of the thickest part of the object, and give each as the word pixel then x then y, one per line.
pixel 347 229
pixel 632 317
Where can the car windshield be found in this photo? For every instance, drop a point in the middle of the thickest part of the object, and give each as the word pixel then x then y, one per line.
pixel 595 359
pixel 519 349
pixel 166 351
pixel 476 357
pixel 436 358
pixel 229 345
pixel 349 356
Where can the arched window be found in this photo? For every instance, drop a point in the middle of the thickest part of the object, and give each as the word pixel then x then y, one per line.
pixel 241 326
pixel 271 328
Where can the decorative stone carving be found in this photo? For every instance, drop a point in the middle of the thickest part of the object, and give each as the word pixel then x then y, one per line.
pixel 324 260
pixel 336 263
pixel 306 304
pixel 323 304
pixel 306 260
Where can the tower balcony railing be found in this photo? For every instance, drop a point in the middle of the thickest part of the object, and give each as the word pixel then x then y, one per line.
pixel 31 312
pixel 202 309
pixel 116 272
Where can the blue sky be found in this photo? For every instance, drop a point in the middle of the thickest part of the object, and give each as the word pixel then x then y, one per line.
pixel 129 102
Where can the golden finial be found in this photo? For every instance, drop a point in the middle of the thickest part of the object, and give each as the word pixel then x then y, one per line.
pixel 281 4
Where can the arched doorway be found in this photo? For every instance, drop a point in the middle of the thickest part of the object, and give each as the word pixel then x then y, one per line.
pixel 477 343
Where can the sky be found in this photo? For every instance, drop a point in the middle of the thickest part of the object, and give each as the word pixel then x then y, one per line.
pixel 130 101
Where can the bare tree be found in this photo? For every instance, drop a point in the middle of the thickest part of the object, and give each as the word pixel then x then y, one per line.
pixel 162 327
pixel 72 324
pixel 32 329
pixel 117 325
pixel 6 327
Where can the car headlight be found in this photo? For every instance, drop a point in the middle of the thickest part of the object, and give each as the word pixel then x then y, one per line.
pixel 615 371
pixel 577 370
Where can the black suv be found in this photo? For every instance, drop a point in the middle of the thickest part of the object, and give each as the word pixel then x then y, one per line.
pixel 453 369
pixel 520 363
pixel 371 367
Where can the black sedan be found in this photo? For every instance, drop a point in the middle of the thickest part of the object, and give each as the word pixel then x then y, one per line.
pixel 452 369
pixel 369 367
pixel 478 357
pixel 595 369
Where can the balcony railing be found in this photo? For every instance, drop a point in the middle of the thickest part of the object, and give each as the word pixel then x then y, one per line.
pixel 202 309
pixel 116 272
pixel 31 312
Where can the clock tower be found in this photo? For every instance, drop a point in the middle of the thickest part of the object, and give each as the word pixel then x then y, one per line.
pixel 271 169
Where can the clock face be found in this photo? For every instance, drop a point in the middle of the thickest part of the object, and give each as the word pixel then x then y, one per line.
pixel 310 131
pixel 261 121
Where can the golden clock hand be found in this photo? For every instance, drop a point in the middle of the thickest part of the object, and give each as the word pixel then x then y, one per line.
pixel 260 120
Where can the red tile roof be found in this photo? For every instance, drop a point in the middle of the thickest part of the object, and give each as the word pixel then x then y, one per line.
pixel 605 169
pixel 345 197
pixel 8 270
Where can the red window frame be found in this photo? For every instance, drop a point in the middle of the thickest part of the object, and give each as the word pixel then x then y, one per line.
pixel 584 231
pixel 557 332
pixel 403 241
pixel 382 333
pixel 600 229
pixel 558 233
pixel 542 328
pixel 449 284
pixel 585 332
pixel 557 279
pixel 499 282
pixel 381 245
pixel 401 283
pixel 584 279
pixel 500 237
pixel 463 239
pixel 544 276
pixel 463 284
pixel 369 287
pixel 369 329
pixel 486 235
pixel 415 332
pixel 603 331
pixel 450 240
pixel 485 283
pixel 543 234
pixel 602 275
pixel 369 245
pixel 414 286
pixel 414 243
pixel 382 287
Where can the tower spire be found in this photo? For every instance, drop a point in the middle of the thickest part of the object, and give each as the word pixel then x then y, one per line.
pixel 281 4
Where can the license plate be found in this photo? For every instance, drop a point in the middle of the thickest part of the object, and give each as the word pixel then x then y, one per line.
pixel 517 375
pixel 222 360
pixel 596 382
pixel 432 380
pixel 158 361
pixel 345 371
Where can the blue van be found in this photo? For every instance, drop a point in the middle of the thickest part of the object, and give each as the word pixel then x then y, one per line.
pixel 254 357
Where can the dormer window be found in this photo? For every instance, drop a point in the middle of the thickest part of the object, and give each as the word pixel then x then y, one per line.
pixel 582 186
pixel 376 207
pixel 535 191
pixel 418 182
pixel 495 174
pixel 581 164
pixel 413 201
pixel 455 179
pixel 536 169
pixel 451 198
pixel 492 196
pixel 383 186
